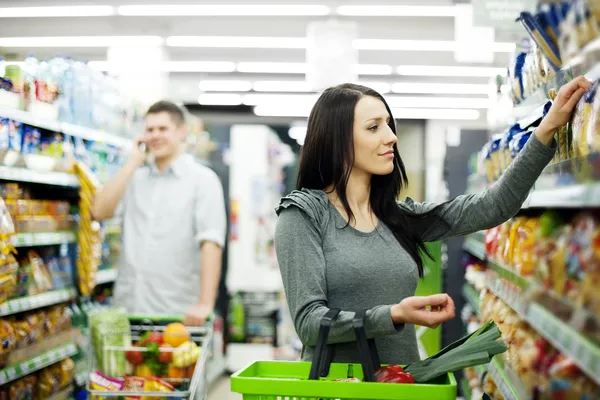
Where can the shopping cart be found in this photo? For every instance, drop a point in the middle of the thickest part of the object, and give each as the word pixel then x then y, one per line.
pixel 280 380
pixel 114 360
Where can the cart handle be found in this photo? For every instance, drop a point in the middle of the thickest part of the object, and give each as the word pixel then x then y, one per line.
pixel 324 352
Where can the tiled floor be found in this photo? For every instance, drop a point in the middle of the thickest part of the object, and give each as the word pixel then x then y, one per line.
pixel 221 391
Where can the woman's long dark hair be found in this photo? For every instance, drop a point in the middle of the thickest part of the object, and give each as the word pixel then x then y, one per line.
pixel 327 158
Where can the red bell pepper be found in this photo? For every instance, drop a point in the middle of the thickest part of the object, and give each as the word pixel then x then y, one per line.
pixel 393 373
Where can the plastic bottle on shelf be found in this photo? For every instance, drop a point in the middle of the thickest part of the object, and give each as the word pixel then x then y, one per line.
pixel 30 71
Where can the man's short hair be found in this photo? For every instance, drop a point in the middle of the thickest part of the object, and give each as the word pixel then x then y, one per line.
pixel 174 111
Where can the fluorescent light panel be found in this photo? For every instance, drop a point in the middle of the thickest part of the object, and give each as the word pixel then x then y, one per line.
pixel 225 86
pixel 251 42
pixel 179 66
pixel 396 11
pixel 224 10
pixel 440 88
pixel 300 43
pixel 220 99
pixel 429 70
pixel 398 113
pixel 81 41
pixel 56 11
pixel 282 86
pixel 301 68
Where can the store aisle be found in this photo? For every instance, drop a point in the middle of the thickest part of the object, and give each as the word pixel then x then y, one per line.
pixel 220 391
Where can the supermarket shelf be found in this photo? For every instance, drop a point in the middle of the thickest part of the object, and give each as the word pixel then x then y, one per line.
pixel 47 178
pixel 68 129
pixel 62 394
pixel 507 381
pixel 514 290
pixel 475 247
pixel 472 297
pixel 42 239
pixel 584 352
pixel 572 196
pixel 106 276
pixel 38 301
pixel 37 363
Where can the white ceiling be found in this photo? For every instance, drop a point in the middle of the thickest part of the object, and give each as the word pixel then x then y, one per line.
pixel 184 86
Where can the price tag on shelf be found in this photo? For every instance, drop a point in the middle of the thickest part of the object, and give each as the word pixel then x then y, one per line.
pixel 11 374
pixel 37 363
pixel 25 368
pixel 2 378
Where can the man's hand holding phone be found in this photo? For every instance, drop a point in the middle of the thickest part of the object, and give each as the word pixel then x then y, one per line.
pixel 139 152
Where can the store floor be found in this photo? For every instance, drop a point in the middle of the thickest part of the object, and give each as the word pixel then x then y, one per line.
pixel 220 391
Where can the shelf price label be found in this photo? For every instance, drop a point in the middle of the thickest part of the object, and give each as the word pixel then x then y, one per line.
pixel 11 374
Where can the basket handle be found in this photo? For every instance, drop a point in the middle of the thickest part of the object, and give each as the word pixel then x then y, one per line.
pixel 366 347
pixel 324 351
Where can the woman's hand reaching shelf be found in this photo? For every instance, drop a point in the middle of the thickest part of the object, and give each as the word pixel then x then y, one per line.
pixel 429 311
pixel 562 108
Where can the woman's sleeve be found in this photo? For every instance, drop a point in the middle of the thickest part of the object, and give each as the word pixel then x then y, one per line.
pixel 500 202
pixel 302 265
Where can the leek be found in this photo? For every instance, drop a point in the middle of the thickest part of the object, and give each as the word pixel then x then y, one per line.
pixel 474 349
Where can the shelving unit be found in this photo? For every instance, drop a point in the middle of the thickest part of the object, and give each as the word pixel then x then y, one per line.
pixel 43 238
pixel 472 297
pixel 34 364
pixel 22 304
pixel 66 128
pixel 106 276
pixel 475 247
pixel 519 293
pixel 48 178
pixel 509 385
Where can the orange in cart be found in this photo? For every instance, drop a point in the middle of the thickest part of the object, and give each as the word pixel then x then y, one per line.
pixel 175 334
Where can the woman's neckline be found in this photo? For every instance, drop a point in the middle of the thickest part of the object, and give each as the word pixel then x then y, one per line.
pixel 347 225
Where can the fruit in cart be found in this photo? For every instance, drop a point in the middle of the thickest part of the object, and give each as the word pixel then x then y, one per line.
pixel 143 370
pixel 165 356
pixel 150 337
pixel 186 354
pixel 393 373
pixel 134 357
pixel 176 373
pixel 176 334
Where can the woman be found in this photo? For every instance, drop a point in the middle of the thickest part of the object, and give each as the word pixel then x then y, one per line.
pixel 343 241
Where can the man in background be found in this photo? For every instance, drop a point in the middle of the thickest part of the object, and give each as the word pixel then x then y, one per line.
pixel 174 223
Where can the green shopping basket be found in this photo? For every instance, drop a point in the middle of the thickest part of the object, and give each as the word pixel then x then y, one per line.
pixel 284 380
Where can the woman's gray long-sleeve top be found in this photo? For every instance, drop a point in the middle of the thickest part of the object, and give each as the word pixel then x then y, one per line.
pixel 324 265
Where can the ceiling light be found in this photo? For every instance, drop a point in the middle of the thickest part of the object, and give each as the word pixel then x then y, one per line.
pixel 374 69
pixel 434 113
pixel 255 99
pixel 258 42
pixel 404 45
pixel 225 86
pixel 427 70
pixel 244 10
pixel 80 41
pixel 282 86
pixel 301 68
pixel 272 67
pixel 199 66
pixel 237 42
pixel 397 11
pixel 398 113
pixel 440 88
pixel 179 66
pixel 436 102
pixel 56 11
pixel 220 99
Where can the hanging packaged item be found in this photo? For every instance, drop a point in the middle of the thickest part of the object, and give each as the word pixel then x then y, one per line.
pixel 540 37
pixel 582 116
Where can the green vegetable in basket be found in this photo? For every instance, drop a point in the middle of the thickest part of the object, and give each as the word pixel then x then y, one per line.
pixel 110 327
pixel 475 349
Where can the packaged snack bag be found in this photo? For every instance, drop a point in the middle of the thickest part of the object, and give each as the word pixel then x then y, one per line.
pixel 581 118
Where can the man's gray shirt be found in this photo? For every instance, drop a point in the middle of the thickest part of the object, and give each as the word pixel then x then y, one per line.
pixel 166 217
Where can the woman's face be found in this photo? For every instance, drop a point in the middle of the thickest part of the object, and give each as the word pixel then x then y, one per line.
pixel 373 138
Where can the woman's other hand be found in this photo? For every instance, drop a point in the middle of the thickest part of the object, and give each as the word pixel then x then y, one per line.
pixel 562 108
pixel 429 311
